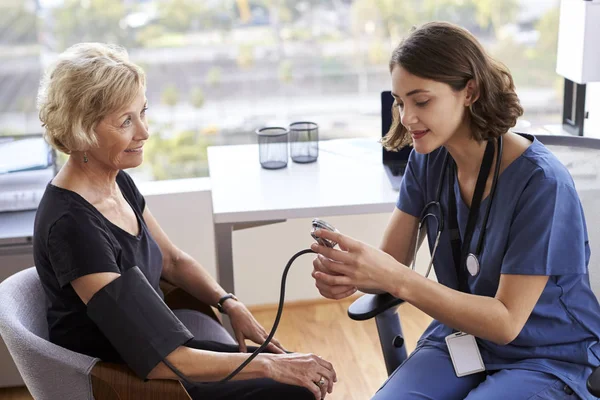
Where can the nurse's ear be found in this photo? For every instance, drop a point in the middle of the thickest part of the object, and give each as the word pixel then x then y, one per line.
pixel 471 92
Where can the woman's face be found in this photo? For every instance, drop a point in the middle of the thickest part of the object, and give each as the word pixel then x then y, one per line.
pixel 431 111
pixel 121 136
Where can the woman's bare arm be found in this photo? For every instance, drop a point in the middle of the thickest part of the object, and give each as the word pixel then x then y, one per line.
pixel 399 239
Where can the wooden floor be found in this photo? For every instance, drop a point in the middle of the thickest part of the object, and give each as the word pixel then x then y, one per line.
pixel 324 328
pixel 352 347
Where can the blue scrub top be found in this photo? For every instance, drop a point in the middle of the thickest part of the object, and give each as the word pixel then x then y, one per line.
pixel 536 227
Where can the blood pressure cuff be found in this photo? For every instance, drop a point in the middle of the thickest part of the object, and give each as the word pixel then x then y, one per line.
pixel 136 321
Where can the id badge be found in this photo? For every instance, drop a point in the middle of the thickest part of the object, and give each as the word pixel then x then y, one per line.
pixel 464 353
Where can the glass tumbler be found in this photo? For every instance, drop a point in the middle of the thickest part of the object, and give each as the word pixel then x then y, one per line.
pixel 304 142
pixel 273 147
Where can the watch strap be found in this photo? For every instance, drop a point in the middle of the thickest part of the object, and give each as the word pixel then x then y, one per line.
pixel 222 300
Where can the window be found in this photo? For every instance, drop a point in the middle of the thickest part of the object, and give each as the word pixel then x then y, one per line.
pixel 219 69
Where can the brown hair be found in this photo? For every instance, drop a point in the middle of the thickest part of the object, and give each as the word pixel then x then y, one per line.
pixel 446 53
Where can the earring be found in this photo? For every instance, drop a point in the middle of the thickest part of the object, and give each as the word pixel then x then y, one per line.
pixel 85 159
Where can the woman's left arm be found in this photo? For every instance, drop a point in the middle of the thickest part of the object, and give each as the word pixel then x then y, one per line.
pixel 180 269
pixel 499 319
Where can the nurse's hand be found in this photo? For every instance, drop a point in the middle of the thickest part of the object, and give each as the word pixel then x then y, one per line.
pixel 356 265
pixel 335 292
pixel 245 326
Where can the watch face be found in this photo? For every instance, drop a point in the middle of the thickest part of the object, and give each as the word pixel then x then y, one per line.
pixel 320 224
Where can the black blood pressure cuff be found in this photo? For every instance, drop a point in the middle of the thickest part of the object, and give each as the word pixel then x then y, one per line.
pixel 137 322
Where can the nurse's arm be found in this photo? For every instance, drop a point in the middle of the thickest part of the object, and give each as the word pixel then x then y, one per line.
pixel 399 239
pixel 499 319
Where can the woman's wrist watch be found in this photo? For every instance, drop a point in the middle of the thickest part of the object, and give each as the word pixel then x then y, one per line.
pixel 223 300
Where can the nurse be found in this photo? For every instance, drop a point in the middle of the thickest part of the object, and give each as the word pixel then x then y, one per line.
pixel 524 311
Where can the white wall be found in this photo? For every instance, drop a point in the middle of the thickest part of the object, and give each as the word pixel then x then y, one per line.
pixel 184 210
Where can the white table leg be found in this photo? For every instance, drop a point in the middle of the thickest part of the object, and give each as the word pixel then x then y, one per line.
pixel 224 254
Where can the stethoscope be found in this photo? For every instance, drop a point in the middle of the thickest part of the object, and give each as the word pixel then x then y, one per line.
pixel 433 209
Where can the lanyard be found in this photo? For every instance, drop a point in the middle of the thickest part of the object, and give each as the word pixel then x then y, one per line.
pixel 461 249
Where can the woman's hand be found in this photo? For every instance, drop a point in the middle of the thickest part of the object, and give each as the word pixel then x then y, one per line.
pixel 356 265
pixel 245 326
pixel 302 370
pixel 335 292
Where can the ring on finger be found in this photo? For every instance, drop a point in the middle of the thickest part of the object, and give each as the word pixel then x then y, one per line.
pixel 321 382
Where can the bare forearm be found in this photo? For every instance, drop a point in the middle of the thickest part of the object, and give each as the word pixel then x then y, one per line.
pixel 189 275
pixel 482 316
pixel 404 260
pixel 209 366
pixel 402 253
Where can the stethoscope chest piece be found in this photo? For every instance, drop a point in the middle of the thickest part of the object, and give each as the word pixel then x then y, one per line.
pixel 472 264
pixel 320 224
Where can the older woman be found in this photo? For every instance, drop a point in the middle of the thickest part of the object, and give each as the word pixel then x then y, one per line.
pixel 93 225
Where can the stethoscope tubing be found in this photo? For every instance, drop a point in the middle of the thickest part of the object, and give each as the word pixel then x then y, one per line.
pixel 425 213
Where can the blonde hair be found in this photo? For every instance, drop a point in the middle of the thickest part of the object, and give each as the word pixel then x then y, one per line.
pixel 88 82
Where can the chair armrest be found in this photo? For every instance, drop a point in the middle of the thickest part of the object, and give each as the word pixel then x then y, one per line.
pixel 371 305
pixel 177 298
pixel 383 308
pixel 112 381
pixel 593 383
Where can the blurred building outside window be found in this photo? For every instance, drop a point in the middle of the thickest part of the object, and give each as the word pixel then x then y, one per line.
pixel 219 69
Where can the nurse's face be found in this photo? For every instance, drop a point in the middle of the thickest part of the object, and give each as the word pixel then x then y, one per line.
pixel 431 111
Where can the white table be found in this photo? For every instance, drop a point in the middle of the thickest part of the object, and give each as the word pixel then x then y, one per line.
pixel 348 178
